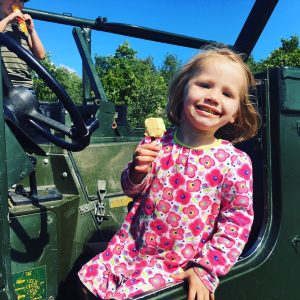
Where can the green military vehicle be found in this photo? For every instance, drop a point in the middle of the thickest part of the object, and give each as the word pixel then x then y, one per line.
pixel 61 199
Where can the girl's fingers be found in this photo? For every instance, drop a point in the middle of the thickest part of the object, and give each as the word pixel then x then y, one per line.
pixel 147 151
pixel 144 156
pixel 192 295
pixel 179 276
pixel 151 146
pixel 195 292
pixel 142 169
pixel 143 160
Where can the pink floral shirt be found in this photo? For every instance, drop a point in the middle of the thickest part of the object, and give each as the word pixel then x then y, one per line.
pixel 194 209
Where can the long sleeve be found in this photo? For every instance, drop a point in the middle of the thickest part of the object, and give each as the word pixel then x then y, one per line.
pixel 130 189
pixel 233 226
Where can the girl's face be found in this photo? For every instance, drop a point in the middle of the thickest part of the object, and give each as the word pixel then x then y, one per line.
pixel 7 4
pixel 212 96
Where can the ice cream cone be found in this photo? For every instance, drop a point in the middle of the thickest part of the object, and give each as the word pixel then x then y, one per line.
pixel 21 22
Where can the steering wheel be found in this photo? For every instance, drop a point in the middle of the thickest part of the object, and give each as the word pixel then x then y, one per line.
pixel 21 106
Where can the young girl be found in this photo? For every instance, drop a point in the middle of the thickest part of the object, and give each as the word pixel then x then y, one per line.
pixel 18 71
pixel 192 190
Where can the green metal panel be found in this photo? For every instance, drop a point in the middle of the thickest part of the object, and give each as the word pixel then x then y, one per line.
pixel 289 180
pixel 34 252
pixel 18 163
pixel 106 162
pixel 73 230
pixel 106 117
pixel 290 99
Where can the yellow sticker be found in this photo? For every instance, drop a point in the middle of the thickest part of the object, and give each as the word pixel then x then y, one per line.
pixel 30 284
pixel 119 201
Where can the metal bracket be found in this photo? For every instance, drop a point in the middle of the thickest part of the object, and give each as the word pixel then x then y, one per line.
pixel 100 208
pixel 295 242
pixel 87 207
pixel 96 204
pixel 101 189
pixel 298 127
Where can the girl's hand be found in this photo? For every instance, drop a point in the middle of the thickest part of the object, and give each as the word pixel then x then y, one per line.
pixel 197 290
pixel 15 16
pixel 143 157
pixel 29 22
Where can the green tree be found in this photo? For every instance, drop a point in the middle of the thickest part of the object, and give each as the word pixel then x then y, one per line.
pixel 170 67
pixel 286 55
pixel 69 80
pixel 134 82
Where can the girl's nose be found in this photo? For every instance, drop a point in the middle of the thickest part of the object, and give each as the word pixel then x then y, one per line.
pixel 212 98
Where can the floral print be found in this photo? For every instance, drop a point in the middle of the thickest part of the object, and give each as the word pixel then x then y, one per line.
pixel 214 178
pixel 193 185
pixel 207 161
pixel 182 197
pixel 221 155
pixel 194 209
pixel 191 211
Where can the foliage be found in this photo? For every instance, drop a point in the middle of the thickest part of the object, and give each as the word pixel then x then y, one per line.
pixel 136 82
pixel 126 79
pixel 286 55
pixel 171 65
pixel 69 80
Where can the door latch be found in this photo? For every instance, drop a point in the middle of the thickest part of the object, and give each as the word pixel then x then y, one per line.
pixel 96 203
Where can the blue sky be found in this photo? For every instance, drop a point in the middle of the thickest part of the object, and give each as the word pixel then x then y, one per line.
pixel 218 20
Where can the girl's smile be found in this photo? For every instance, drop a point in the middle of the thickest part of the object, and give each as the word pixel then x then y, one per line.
pixel 206 110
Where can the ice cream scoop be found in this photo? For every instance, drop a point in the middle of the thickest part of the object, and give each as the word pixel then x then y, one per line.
pixel 154 127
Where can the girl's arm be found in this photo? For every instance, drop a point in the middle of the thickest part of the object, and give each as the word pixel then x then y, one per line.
pixel 222 251
pixel 136 177
pixel 5 21
pixel 34 41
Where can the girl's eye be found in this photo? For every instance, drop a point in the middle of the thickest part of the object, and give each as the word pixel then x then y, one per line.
pixel 204 85
pixel 227 94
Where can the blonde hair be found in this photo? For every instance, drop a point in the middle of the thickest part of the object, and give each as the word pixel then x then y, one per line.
pixel 247 121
